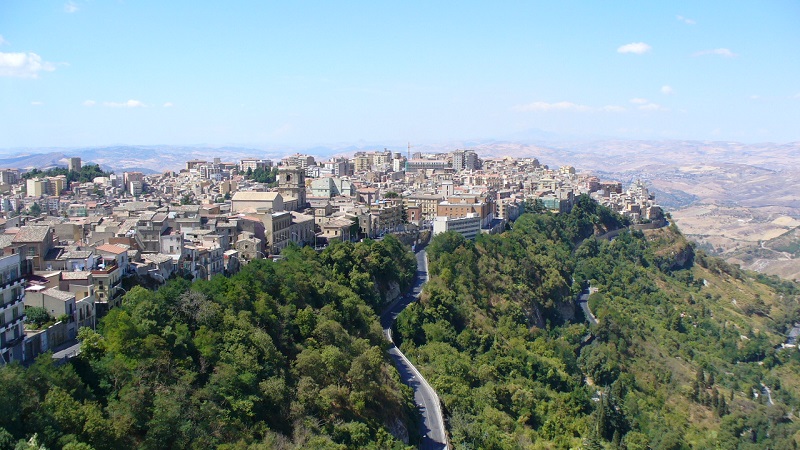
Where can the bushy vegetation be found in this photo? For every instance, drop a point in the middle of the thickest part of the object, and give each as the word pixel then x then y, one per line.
pixel 87 173
pixel 280 355
pixel 269 176
pixel 37 317
pixel 683 345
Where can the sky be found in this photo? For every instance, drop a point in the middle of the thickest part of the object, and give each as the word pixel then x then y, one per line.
pixel 102 72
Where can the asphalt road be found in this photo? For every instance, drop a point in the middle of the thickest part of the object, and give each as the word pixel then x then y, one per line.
pixel 583 301
pixel 432 426
pixel 65 352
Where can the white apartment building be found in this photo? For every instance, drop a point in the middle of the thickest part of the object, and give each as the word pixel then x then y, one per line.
pixel 12 308
pixel 468 226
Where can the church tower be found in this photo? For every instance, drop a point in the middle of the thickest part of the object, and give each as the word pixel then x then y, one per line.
pixel 292 183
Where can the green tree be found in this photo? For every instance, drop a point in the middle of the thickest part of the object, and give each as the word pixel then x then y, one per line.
pixel 37 316
pixel 35 210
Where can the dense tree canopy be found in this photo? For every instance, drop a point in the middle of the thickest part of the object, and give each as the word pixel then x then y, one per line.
pixel 286 354
pixel 498 335
pixel 290 354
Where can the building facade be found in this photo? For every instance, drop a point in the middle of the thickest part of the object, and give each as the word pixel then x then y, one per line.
pixel 12 307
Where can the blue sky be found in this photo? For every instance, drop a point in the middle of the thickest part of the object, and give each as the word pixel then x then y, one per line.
pixel 81 73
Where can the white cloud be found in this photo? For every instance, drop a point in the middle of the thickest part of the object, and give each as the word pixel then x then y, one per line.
pixel 3 40
pixel 89 103
pixel 667 90
pixel 37 103
pixel 614 108
pixel 686 20
pixel 23 65
pixel 168 105
pixel 128 104
pixel 639 101
pixel 717 51
pixel 70 7
pixel 635 47
pixel 558 106
pixel 652 107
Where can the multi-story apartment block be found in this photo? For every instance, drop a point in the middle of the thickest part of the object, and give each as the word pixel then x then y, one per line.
pixel 332 187
pixel 36 187
pixel 12 309
pixel 339 167
pixel 465 160
pixel 150 227
pixel 108 276
pixel 362 163
pixel 463 205
pixel 55 185
pixel 135 188
pixel 81 285
pixel 468 226
pixel 416 165
pixel 9 176
pixel 381 160
pixel 211 171
pixel 254 164
pixel 277 228
pixel 386 216
pixel 194 163
pixel 298 160
pixel 428 204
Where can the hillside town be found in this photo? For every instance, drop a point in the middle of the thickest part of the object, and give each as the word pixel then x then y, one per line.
pixel 70 246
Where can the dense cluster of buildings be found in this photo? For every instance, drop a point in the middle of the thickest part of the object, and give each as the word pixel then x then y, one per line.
pixel 66 247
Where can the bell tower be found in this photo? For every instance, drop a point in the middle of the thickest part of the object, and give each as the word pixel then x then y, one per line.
pixel 292 183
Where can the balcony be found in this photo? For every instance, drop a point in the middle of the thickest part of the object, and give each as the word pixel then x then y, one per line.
pixel 11 283
pixel 105 270
pixel 12 303
pixel 12 324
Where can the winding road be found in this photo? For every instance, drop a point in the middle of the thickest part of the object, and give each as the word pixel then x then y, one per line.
pixel 432 426
pixel 583 302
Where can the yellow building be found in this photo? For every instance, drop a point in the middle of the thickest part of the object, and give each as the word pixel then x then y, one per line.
pixel 36 187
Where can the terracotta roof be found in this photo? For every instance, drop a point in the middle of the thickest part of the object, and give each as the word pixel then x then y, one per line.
pixel 112 248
